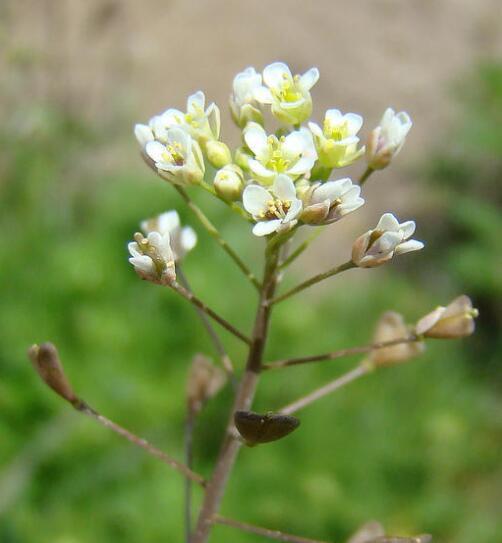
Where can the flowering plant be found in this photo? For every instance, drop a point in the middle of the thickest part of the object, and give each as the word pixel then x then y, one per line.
pixel 280 181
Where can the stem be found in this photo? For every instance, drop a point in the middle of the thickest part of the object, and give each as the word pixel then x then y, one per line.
pixel 208 311
pixel 265 532
pixel 365 176
pixel 319 393
pixel 189 428
pixel 313 280
pixel 245 394
pixel 232 205
pixel 338 354
pixel 84 408
pixel 299 250
pixel 213 232
pixel 218 344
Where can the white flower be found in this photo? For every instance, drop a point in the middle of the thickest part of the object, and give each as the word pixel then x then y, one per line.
pixel 336 143
pixel 293 154
pixel 275 210
pixel 328 202
pixel 144 134
pixel 182 239
pixel 289 96
pixel 153 258
pixel 243 104
pixel 180 159
pixel 453 321
pixel 387 139
pixel 388 238
pixel 202 124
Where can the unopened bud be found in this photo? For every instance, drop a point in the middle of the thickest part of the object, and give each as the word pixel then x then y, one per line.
pixel 390 327
pixel 256 428
pixel 241 158
pixel 45 360
pixel 229 182
pixel 205 380
pixel 218 153
pixel 456 320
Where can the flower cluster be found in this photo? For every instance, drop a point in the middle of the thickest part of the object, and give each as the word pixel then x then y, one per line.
pixel 281 179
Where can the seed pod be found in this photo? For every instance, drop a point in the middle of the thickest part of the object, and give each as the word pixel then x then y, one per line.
pixel 45 360
pixel 256 428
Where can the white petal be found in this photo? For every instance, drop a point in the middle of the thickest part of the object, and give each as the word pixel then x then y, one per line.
pixel 142 263
pixel 284 188
pixel 334 117
pixel 302 166
pixel 309 78
pixel 196 100
pixel 294 210
pixel 275 74
pixel 213 118
pixel 354 121
pixel 155 150
pixel 408 246
pixel 133 249
pixel 388 222
pixel 263 95
pixel 264 228
pixel 168 222
pixel 386 243
pixel 259 170
pixel 178 135
pixel 256 139
pixel 255 199
pixel 316 130
pixel 143 134
pixel 188 239
pixel 407 228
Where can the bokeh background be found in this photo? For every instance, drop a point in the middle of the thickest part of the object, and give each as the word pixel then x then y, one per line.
pixel 417 447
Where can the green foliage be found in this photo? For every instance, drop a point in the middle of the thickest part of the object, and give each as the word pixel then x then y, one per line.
pixel 415 447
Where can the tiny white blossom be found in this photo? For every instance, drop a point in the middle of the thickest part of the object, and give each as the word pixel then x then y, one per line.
pixel 387 139
pixel 275 210
pixel 152 257
pixel 182 239
pixel 336 142
pixel 328 202
pixel 144 134
pixel 289 96
pixel 243 104
pixel 453 321
pixel 389 238
pixel 293 155
pixel 180 159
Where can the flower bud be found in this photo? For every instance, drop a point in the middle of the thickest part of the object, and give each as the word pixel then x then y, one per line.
pixel 391 326
pixel 45 360
pixel 205 380
pixel 218 153
pixel 453 321
pixel 228 182
pixel 241 158
pixel 153 258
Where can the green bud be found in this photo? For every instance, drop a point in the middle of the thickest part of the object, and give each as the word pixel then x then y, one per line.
pixel 218 153
pixel 229 182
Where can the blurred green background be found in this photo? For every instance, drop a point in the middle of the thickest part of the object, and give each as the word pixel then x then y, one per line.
pixel 416 447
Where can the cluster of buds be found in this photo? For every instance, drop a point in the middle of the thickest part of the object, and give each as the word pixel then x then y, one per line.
pixel 282 179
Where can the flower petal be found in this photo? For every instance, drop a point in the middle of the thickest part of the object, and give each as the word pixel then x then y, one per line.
pixel 408 246
pixel 309 78
pixel 155 150
pixel 255 199
pixel 264 228
pixel 256 139
pixel 276 73
pixel 388 222
pixel 284 188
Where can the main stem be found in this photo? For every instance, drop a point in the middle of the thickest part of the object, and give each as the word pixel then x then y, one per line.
pixel 244 398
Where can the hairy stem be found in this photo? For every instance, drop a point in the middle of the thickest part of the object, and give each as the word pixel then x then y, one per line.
pixel 214 233
pixel 188 295
pixel 244 398
pixel 319 393
pixel 265 532
pixel 218 344
pixel 313 280
pixel 338 354
pixel 84 408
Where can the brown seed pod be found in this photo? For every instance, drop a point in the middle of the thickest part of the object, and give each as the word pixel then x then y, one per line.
pixel 256 428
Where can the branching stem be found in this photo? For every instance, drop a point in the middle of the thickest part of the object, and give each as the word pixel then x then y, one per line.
pixel 338 354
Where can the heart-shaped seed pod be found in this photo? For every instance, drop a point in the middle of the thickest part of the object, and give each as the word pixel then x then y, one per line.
pixel 256 428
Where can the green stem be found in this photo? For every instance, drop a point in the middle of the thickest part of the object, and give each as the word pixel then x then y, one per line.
pixel 215 234
pixel 365 176
pixel 313 280
pixel 232 205
pixel 299 250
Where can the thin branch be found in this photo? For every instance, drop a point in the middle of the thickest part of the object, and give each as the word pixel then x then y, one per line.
pixel 301 248
pixel 188 295
pixel 319 393
pixel 338 354
pixel 313 280
pixel 265 532
pixel 232 205
pixel 364 177
pixel 189 428
pixel 213 232
pixel 84 408
pixel 218 344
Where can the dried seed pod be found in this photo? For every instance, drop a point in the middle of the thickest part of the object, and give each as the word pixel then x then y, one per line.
pixel 205 380
pixel 367 533
pixel 256 428
pixel 45 360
